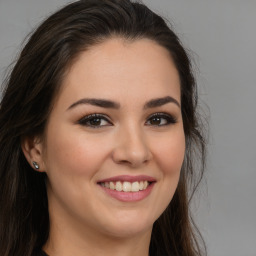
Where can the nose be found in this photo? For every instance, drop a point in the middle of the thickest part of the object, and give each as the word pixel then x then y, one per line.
pixel 131 148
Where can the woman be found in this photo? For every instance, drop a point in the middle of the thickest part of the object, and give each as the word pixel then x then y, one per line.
pixel 98 135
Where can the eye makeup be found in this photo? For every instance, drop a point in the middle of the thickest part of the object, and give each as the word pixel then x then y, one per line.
pixel 98 120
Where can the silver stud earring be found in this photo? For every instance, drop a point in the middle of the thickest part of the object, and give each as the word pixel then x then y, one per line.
pixel 36 165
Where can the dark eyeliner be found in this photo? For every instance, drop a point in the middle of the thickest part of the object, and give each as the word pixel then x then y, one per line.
pixel 170 119
pixel 84 121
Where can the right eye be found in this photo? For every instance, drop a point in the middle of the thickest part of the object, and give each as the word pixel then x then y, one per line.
pixel 95 121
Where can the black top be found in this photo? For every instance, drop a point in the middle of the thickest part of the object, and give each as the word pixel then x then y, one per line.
pixel 42 253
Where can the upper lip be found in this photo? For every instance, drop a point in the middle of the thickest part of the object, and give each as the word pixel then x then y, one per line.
pixel 128 178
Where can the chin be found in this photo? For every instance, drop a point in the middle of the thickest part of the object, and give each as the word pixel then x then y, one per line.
pixel 128 231
pixel 129 224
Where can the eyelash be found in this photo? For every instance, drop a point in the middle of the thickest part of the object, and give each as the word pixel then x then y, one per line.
pixel 169 119
pixel 85 120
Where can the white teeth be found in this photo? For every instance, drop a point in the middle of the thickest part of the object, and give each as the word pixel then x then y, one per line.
pixel 126 186
pixel 111 185
pixel 119 186
pixel 141 185
pixel 135 186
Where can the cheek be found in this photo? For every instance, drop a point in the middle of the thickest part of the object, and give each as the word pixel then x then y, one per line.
pixel 72 154
pixel 71 165
pixel 170 154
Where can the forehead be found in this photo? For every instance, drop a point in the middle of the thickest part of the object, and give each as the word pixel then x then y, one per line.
pixel 117 67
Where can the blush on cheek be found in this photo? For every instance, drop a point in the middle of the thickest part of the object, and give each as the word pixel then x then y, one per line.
pixel 171 159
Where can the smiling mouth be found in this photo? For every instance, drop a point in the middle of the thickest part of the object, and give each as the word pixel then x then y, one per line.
pixel 126 186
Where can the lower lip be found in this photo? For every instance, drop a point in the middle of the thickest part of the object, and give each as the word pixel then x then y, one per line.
pixel 129 196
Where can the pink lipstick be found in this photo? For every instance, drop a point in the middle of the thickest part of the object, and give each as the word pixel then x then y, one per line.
pixel 128 188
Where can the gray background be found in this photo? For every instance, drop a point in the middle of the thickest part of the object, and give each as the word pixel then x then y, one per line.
pixel 222 36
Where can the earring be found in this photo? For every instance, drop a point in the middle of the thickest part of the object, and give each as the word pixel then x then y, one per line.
pixel 36 165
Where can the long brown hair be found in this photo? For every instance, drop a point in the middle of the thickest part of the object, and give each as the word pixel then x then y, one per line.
pixel 27 101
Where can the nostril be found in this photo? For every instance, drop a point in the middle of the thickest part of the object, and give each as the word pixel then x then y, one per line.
pixel 131 151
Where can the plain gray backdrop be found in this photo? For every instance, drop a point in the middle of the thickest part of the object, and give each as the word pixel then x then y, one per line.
pixel 221 37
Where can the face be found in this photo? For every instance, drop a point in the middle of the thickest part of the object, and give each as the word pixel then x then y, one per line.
pixel 114 143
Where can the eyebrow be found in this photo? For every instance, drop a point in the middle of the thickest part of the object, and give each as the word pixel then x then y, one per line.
pixel 97 102
pixel 103 103
pixel 160 102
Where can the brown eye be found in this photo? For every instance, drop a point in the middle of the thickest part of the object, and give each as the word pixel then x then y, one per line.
pixel 160 119
pixel 95 121
pixel 157 121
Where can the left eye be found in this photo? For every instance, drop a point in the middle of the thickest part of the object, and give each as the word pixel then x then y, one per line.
pixel 94 121
pixel 160 119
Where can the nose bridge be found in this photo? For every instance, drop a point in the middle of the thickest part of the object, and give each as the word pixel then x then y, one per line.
pixel 131 147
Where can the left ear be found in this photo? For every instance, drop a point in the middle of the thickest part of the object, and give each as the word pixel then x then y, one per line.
pixel 32 148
